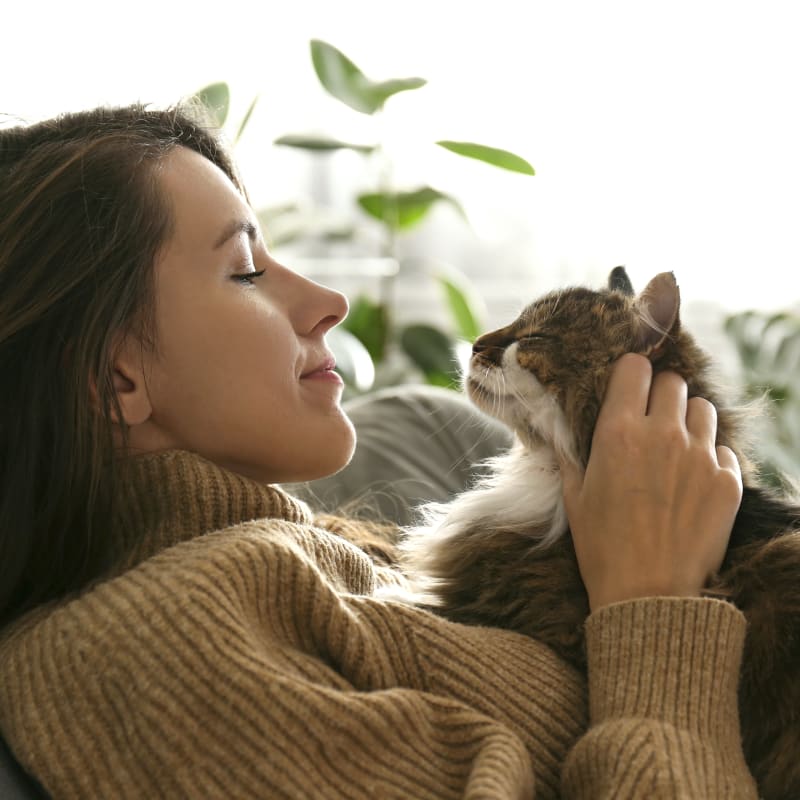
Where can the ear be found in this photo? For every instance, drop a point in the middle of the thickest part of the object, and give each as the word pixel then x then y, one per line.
pixel 657 314
pixel 129 386
pixel 618 281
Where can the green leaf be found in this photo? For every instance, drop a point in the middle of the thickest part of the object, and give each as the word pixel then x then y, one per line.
pixel 403 210
pixel 739 328
pixel 320 143
pixel 432 351
pixel 383 90
pixel 216 97
pixel 245 119
pixel 489 155
pixel 368 321
pixel 779 394
pixel 347 83
pixel 787 354
pixel 769 351
pixel 443 379
pixel 353 361
pixel 735 324
pixel 463 304
pixel 340 76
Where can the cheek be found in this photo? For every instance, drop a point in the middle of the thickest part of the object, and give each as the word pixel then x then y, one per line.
pixel 522 375
pixel 220 358
pixel 539 366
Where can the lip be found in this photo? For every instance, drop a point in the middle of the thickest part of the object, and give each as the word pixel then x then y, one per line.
pixel 323 371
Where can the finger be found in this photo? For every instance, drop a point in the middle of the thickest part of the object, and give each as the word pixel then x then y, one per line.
pixel 701 420
pixel 668 397
pixel 628 387
pixel 726 458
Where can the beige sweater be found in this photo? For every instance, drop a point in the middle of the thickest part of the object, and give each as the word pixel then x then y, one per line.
pixel 240 653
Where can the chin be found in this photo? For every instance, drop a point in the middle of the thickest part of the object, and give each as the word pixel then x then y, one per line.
pixel 305 452
pixel 344 453
pixel 330 454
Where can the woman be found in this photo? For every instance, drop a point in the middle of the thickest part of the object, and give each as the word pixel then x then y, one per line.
pixel 175 625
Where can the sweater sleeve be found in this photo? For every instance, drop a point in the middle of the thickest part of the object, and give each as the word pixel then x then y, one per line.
pixel 664 723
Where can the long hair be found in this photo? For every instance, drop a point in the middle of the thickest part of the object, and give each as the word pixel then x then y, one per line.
pixel 82 220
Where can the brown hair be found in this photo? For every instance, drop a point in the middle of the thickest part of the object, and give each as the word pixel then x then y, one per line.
pixel 82 220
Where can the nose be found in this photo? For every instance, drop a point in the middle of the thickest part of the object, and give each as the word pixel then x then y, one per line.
pixel 491 346
pixel 339 308
pixel 320 308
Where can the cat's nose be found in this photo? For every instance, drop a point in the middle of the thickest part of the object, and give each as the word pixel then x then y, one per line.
pixel 487 349
pixel 491 345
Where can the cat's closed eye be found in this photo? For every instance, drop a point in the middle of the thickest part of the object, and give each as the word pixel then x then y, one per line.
pixel 533 338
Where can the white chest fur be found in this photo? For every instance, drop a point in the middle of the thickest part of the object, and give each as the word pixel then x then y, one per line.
pixel 522 493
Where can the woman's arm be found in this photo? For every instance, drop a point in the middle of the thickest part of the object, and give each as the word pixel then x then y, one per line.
pixel 663 714
pixel 650 519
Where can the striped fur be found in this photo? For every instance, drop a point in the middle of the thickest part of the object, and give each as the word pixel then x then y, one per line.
pixel 500 554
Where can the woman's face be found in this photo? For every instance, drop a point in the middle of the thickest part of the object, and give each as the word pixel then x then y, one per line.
pixel 242 375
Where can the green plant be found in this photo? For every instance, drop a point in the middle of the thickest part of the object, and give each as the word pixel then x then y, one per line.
pixel 216 99
pixel 768 346
pixel 429 349
pixel 369 337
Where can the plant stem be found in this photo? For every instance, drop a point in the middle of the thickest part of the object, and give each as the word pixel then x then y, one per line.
pixel 386 187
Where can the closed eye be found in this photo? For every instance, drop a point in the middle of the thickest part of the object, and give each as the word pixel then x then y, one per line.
pixel 536 336
pixel 247 278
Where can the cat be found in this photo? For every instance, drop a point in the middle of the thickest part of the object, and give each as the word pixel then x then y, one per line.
pixel 500 553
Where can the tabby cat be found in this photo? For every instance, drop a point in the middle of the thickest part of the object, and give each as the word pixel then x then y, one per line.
pixel 500 553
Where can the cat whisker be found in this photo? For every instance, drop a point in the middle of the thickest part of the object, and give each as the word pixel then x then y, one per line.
pixel 504 383
pixel 496 406
pixel 485 434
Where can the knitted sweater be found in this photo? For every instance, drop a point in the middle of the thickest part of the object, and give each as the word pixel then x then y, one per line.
pixel 238 651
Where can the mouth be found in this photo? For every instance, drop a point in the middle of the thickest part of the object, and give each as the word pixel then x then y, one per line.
pixel 325 370
pixel 484 398
pixel 476 391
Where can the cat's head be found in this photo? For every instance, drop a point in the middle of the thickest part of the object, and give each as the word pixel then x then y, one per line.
pixel 545 374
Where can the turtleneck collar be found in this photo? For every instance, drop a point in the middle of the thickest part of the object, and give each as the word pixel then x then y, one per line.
pixel 176 495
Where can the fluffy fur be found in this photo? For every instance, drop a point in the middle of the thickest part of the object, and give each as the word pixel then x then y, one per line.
pixel 500 555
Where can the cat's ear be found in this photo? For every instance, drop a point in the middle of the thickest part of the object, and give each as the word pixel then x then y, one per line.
pixel 618 281
pixel 657 314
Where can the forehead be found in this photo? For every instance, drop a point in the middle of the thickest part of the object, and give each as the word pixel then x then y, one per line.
pixel 572 305
pixel 201 196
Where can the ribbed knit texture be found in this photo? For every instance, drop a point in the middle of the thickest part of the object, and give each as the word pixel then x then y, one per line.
pixel 237 652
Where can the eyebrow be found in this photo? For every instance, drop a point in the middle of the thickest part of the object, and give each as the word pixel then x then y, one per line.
pixel 234 228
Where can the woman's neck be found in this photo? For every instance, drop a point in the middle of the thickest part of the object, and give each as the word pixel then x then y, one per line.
pixel 175 495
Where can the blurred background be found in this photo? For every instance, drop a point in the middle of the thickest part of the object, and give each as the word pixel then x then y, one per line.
pixel 663 136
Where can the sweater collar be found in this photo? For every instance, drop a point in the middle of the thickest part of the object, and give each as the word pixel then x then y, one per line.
pixel 169 497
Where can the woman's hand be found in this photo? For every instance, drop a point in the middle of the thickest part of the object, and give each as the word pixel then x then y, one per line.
pixel 653 512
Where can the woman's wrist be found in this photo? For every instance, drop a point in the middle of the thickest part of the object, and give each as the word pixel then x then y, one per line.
pixel 675 659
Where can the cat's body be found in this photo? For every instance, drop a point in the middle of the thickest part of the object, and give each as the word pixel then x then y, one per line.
pixel 500 554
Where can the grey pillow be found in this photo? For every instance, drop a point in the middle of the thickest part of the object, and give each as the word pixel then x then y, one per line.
pixel 415 444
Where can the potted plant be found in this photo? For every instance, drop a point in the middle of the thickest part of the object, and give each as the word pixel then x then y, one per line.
pixel 369 340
